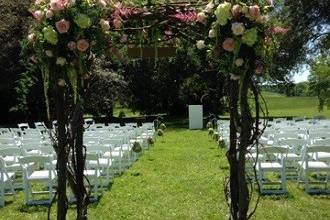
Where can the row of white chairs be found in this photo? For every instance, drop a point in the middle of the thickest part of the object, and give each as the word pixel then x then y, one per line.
pixel 31 156
pixel 292 150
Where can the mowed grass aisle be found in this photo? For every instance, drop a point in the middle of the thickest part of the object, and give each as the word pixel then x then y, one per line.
pixel 181 177
pixel 177 179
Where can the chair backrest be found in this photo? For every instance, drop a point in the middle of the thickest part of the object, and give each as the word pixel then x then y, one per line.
pixel 321 142
pixel 97 148
pixel 319 134
pixel 115 142
pixel 318 148
pixel 40 159
pixel 23 126
pixel 11 151
pixel 292 142
pixel 273 150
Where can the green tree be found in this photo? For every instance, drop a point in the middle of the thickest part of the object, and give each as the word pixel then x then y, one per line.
pixel 308 22
pixel 320 80
pixel 14 21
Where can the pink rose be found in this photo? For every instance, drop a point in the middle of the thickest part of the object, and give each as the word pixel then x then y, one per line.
pixel 62 26
pixel 72 45
pixel 280 30
pixel 254 11
pixel 38 15
pixel 82 45
pixel 58 5
pixel 229 44
pixel 236 10
pixel 117 22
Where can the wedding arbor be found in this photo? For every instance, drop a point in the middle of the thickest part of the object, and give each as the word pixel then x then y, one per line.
pixel 67 35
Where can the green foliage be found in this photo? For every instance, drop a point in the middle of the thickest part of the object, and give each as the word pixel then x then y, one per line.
pixel 309 34
pixel 107 88
pixel 320 80
pixel 160 132
pixel 137 147
pixel 162 86
pixel 14 21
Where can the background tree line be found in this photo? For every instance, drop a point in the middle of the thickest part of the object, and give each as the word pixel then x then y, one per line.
pixel 166 86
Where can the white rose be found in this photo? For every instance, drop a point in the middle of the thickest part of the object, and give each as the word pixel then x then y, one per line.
pixel 49 53
pixel 61 61
pixel 262 19
pixel 201 17
pixel 104 24
pixel 239 62
pixel 237 28
pixel 200 44
pixel 102 3
pixel 234 77
pixel 49 14
pixel 212 33
pixel 209 7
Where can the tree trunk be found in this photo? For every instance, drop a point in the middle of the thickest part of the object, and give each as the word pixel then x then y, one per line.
pixel 61 155
pixel 79 159
pixel 232 152
pixel 245 135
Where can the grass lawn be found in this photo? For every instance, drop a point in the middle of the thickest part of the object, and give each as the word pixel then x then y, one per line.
pixel 181 177
pixel 281 105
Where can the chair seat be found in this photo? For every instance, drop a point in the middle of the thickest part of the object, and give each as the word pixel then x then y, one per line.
pixel 11 159
pixel 314 165
pixel 41 175
pixel 14 166
pixel 103 162
pixel 126 147
pixel 8 176
pixel 270 166
pixel 33 152
pixel 323 156
pixel 92 173
pixel 289 156
pixel 253 156
pixel 115 153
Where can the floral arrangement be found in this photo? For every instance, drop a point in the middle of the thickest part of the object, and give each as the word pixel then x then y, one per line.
pixel 66 35
pixel 240 34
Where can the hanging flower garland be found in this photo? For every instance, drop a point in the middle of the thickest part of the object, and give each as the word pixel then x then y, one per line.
pixel 240 34
pixel 66 36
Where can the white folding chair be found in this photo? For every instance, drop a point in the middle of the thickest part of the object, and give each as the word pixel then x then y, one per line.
pixel 294 146
pixel 105 163
pixel 310 164
pixel 38 168
pixel 268 162
pixel 93 174
pixel 23 126
pixel 6 182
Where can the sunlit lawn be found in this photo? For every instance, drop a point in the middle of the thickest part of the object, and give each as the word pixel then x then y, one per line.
pixel 281 105
pixel 181 177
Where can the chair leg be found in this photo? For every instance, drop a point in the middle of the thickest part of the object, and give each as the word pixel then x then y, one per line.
pixel 2 194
